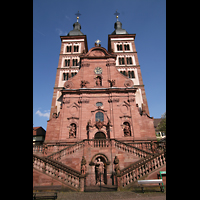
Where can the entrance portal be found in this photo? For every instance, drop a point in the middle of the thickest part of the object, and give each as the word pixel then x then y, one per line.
pixel 100 135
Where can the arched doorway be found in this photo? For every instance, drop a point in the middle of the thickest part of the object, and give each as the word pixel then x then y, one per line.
pixel 99 135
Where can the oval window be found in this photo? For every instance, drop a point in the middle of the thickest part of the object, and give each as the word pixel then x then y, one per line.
pixel 99 104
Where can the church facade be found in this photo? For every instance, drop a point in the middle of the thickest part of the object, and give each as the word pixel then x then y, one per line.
pixel 98 106
pixel 99 93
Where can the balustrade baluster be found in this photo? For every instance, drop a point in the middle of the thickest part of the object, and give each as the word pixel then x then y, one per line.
pixel 131 177
pixel 60 175
pixel 128 178
pixel 44 167
pixel 69 179
pixel 155 160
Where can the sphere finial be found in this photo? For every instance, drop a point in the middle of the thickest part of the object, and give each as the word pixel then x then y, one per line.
pixel 117 14
pixel 77 14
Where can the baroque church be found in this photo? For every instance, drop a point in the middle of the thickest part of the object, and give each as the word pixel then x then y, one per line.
pixel 100 129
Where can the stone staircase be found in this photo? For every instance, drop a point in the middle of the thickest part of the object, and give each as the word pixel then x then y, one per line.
pixel 98 144
pixel 60 172
pixel 140 168
pixel 73 179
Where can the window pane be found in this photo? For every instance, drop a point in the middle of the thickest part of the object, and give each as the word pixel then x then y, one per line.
pixel 127 47
pixel 130 61
pixel 99 116
pixel 133 75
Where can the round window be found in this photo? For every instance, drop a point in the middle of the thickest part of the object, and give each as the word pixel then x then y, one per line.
pixel 99 104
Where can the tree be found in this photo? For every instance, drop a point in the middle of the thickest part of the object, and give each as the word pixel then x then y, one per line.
pixel 162 124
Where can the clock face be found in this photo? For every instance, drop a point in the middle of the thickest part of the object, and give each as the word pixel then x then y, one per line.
pixel 98 70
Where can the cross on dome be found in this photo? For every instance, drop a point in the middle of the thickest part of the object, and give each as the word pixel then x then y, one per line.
pixel 116 13
pixel 77 14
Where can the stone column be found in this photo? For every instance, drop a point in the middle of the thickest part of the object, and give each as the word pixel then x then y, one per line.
pixel 81 186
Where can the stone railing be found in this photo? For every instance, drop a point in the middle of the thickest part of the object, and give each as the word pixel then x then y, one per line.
pixel 131 149
pixel 70 177
pixel 37 148
pixel 98 143
pixel 140 168
pixel 147 146
pixel 49 148
pixel 65 151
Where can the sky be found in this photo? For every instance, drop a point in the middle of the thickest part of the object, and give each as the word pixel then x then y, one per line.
pixel 53 18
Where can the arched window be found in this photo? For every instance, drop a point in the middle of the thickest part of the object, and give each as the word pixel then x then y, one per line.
pixel 99 117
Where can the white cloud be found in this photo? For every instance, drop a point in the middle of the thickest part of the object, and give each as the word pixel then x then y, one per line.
pixel 67 17
pixel 45 114
pixel 59 31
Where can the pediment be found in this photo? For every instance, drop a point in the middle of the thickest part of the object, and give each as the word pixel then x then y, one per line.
pixel 98 52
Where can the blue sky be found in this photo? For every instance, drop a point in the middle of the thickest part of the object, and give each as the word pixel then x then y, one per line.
pixel 52 18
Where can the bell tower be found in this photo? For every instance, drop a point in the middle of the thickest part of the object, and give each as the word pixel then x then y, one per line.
pixel 73 45
pixel 122 45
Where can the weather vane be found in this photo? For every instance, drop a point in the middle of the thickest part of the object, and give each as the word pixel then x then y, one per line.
pixel 116 13
pixel 77 14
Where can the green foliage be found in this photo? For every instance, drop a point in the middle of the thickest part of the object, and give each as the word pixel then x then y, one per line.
pixel 162 124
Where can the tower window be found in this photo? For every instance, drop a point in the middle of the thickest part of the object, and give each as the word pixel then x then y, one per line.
pixel 131 74
pixel 73 74
pixel 126 47
pixel 76 48
pixel 121 61
pixel 69 48
pixel 67 62
pixel 99 116
pixel 123 72
pixel 119 47
pixel 65 76
pixel 75 62
pixel 129 61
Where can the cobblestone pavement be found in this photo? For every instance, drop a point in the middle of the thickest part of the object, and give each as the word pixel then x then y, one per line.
pixel 111 195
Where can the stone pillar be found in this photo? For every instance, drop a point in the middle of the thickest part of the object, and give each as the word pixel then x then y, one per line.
pixel 81 186
pixel 118 177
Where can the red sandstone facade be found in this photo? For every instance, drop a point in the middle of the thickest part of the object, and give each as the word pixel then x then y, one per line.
pixel 122 99
pixel 99 104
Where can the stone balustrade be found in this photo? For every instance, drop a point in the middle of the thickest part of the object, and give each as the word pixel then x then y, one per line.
pixel 59 171
pixel 131 149
pixel 64 149
pixel 147 146
pixel 140 168
pixel 37 148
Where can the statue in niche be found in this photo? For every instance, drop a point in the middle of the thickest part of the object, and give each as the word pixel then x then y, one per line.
pixel 83 165
pixel 72 131
pixel 99 169
pixel 127 129
pixel 98 81
pixel 116 163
